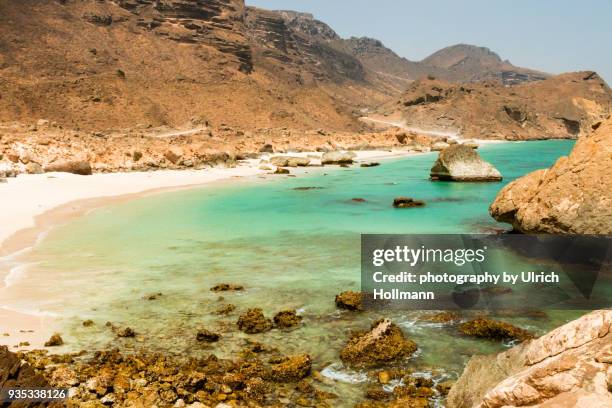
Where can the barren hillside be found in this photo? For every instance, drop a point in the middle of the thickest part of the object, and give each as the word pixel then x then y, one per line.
pixel 564 106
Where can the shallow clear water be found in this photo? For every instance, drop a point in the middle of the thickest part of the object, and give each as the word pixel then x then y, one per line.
pixel 290 248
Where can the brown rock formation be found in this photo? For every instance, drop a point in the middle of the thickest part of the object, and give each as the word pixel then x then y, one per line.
pixel 567 367
pixel 572 197
pixel 14 374
pixel 383 343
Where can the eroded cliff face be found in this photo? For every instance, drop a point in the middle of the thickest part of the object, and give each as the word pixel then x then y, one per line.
pixel 564 106
pixel 572 197
pixel 568 367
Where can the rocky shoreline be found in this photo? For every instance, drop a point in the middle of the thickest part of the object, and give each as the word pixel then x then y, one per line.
pixel 256 376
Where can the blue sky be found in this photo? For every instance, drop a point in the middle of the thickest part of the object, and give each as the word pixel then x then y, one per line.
pixel 552 36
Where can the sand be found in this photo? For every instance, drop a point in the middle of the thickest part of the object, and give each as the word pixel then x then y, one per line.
pixel 33 204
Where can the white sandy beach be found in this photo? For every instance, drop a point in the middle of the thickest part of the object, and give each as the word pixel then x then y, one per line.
pixel 32 204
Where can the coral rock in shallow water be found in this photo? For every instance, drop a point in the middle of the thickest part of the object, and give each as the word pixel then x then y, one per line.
pixel 286 319
pixel 462 163
pixel 493 329
pixel 54 341
pixel 407 202
pixel 254 321
pixel 292 368
pixel 349 300
pixel 572 197
pixel 384 343
pixel 207 336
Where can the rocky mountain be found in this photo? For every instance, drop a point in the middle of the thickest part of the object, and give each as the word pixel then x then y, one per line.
pixel 564 106
pixel 572 197
pixel 113 65
pixel 469 63
pixel 568 367
pixel 458 63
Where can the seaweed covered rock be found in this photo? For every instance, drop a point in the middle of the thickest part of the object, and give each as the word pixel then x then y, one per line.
pixel 54 341
pixel 253 321
pixel 226 287
pixel 384 343
pixel 462 163
pixel 207 336
pixel 493 329
pixel 289 369
pixel 286 319
pixel 349 300
pixel 407 202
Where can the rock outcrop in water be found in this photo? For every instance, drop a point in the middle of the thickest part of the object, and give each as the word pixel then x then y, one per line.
pixel 462 163
pixel 568 367
pixel 574 196
pixel 383 343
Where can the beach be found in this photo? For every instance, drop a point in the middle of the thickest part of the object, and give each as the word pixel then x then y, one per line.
pixel 33 204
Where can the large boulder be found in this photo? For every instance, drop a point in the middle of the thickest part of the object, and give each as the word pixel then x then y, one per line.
pixel 290 161
pixel 572 197
pixel 80 167
pixel 462 163
pixel 338 157
pixel 568 367
pixel 383 343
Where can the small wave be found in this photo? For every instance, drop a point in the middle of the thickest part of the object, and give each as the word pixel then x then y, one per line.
pixel 15 274
pixel 30 312
pixel 338 372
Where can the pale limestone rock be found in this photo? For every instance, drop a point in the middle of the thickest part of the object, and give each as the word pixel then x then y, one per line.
pixel 572 197
pixel 462 163
pixel 564 368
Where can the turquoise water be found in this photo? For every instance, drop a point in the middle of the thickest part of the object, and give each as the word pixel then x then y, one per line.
pixel 290 248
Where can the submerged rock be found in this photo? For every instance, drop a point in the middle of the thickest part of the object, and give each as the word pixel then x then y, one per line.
pixel 462 163
pixel 54 341
pixel 207 336
pixel 384 343
pixel 560 369
pixel 286 319
pixel 290 369
pixel 253 321
pixel 442 317
pixel 572 197
pixel 126 332
pixel 493 329
pixel 349 300
pixel 226 287
pixel 373 164
pixel 407 202
pixel 338 157
pixel 225 309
